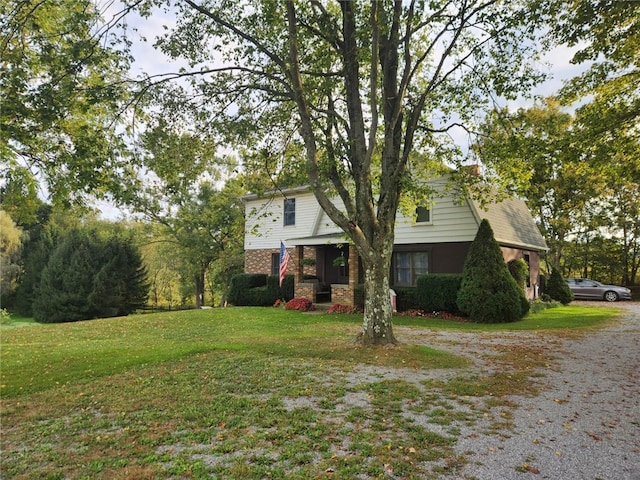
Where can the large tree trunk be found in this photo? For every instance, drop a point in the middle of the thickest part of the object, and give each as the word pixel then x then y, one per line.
pixel 199 288
pixel 377 327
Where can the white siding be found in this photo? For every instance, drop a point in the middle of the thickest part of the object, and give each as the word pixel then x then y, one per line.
pixel 325 225
pixel 264 225
pixel 451 222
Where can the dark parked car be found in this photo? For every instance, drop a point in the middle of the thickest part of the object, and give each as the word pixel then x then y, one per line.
pixel 585 289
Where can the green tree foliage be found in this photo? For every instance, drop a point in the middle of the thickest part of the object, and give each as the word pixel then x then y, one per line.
pixel 607 40
pixel 558 289
pixel 204 223
pixel 36 255
pixel 210 230
pixel 11 238
pixel 488 293
pixel 535 152
pixel 163 265
pixel 60 84
pixel 606 34
pixel 89 277
pixel 120 284
pixel 579 188
pixel 19 197
pixel 66 282
pixel 364 87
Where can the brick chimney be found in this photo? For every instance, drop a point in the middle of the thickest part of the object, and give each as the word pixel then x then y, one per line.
pixel 474 170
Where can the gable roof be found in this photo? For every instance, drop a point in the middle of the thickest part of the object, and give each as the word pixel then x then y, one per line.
pixel 511 222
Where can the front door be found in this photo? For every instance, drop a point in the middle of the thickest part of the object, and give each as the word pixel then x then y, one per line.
pixel 336 264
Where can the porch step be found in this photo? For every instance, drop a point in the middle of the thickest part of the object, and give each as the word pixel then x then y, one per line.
pixel 322 306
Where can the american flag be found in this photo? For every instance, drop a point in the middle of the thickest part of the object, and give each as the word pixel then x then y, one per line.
pixel 284 262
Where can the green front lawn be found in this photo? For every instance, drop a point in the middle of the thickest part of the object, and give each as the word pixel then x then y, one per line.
pixel 250 393
pixel 34 359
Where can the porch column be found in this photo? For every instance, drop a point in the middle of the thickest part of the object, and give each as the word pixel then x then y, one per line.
pixel 354 267
pixel 299 267
pixel 300 288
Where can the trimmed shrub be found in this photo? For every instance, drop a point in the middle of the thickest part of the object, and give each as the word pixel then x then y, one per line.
pixel 488 293
pixel 242 284
pixel 519 270
pixel 436 292
pixel 558 289
pixel 405 298
pixel 286 291
pixel 259 289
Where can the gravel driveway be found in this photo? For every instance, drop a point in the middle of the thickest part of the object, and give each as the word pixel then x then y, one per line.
pixel 584 424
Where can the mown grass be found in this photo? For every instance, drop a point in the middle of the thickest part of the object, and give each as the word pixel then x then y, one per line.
pixel 14 321
pixel 241 393
pixel 560 318
pixel 38 358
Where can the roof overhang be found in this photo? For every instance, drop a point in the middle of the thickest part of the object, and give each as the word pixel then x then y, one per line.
pixel 279 192
pixel 332 238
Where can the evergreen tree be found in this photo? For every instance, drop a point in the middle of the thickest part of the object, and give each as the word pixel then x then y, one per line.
pixel 89 277
pixel 126 275
pixel 36 258
pixel 558 289
pixel 488 293
pixel 66 281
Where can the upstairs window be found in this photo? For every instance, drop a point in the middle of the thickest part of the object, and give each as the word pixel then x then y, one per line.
pixel 289 211
pixel 423 215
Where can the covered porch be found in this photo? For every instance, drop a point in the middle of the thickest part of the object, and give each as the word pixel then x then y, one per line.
pixel 327 272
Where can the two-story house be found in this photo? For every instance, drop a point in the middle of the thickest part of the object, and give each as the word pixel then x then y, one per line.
pixel 434 240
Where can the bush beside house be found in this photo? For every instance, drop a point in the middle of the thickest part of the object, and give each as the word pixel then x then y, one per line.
pixel 259 290
pixel 488 293
pixel 519 271
pixel 439 292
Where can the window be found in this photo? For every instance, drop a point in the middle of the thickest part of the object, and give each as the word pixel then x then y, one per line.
pixel 275 263
pixel 408 266
pixel 289 211
pixel 423 215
